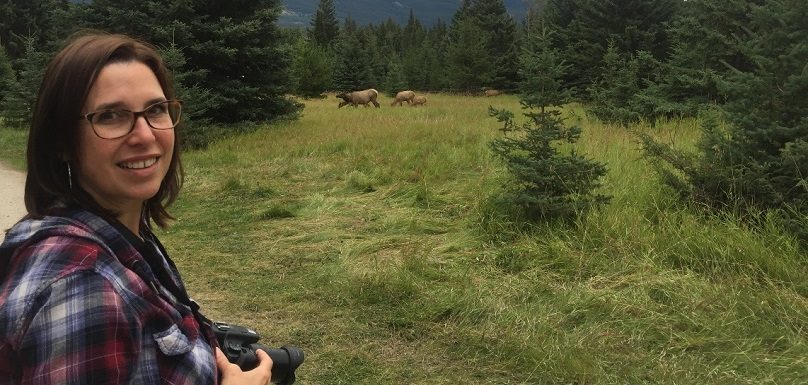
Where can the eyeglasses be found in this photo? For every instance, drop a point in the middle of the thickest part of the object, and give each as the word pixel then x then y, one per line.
pixel 117 122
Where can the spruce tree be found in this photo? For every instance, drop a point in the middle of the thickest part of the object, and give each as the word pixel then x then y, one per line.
pixel 21 21
pixel 8 79
pixel 19 102
pixel 394 81
pixel 586 27
pixel 492 17
pixel 351 69
pixel 311 69
pixel 422 69
pixel 236 45
pixel 702 40
pixel 241 47
pixel 759 162
pixel 619 95
pixel 469 65
pixel 437 42
pixel 197 99
pixel 413 33
pixel 547 184
pixel 324 29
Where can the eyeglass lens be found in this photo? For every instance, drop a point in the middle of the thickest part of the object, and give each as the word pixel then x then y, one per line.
pixel 115 123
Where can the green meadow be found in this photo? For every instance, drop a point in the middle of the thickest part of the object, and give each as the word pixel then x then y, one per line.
pixel 368 237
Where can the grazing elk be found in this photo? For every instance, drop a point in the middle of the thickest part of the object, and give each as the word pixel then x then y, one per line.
pixel 403 96
pixel 418 101
pixel 355 98
pixel 492 92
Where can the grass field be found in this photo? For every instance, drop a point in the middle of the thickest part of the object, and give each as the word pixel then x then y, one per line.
pixel 367 238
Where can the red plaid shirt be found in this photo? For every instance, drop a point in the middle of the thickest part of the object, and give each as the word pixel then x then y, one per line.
pixel 80 305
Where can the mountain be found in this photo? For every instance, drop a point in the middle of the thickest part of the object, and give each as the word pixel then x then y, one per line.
pixel 299 12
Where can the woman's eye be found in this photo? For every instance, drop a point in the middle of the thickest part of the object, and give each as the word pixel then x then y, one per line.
pixel 157 110
pixel 109 117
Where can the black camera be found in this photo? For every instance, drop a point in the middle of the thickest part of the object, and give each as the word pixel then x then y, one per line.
pixel 239 344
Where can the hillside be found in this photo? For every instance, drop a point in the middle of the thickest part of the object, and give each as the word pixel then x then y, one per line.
pixel 299 12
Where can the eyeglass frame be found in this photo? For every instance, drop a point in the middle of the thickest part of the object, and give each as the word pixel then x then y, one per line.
pixel 135 116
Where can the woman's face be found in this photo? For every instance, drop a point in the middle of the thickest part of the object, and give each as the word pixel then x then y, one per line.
pixel 122 173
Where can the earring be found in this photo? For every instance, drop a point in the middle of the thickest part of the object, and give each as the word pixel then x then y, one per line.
pixel 69 176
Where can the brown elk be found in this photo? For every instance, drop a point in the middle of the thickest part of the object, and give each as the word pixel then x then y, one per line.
pixel 355 98
pixel 418 101
pixel 403 96
pixel 492 92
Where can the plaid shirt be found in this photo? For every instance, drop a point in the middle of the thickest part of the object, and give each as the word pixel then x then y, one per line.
pixel 80 305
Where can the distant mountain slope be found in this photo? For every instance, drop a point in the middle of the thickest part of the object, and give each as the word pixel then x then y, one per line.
pixel 300 12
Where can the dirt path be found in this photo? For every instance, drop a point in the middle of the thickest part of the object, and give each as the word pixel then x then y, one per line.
pixel 12 206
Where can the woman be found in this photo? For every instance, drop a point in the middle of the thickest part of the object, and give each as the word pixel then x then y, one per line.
pixel 88 294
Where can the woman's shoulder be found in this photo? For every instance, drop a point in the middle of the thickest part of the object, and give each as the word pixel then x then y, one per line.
pixel 50 258
pixel 47 246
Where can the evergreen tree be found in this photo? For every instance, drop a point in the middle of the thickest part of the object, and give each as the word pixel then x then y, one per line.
pixel 240 45
pixel 22 21
pixel 375 62
pixel 438 42
pixel 469 65
pixel 18 103
pixel 617 96
pixel 389 38
pixel 586 26
pixel 394 81
pixel 421 67
pixel 547 183
pixel 413 33
pixel 351 69
pixel 158 22
pixel 8 79
pixel 197 100
pixel 492 17
pixel 702 39
pixel 311 69
pixel 324 29
pixel 759 161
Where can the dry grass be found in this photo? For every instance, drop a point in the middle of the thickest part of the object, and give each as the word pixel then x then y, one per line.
pixel 365 236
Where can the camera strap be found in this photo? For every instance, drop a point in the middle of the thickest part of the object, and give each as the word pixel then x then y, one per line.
pixel 158 260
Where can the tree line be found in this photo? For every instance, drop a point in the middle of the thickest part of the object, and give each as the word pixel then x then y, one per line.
pixel 739 64
pixel 230 60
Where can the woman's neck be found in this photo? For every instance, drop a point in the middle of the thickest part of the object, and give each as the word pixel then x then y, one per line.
pixel 131 220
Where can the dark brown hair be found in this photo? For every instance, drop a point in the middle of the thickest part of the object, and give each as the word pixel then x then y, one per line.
pixel 54 126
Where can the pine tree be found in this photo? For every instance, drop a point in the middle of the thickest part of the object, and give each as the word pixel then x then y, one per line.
pixel 760 161
pixel 547 184
pixel 617 96
pixel 438 43
pixel 413 33
pixel 469 65
pixel 157 22
pixel 241 47
pixel 18 103
pixel 702 40
pixel 311 69
pixel 421 67
pixel 235 45
pixel 21 21
pixel 8 79
pixel 324 29
pixel 492 17
pixel 585 27
pixel 394 81
pixel 351 69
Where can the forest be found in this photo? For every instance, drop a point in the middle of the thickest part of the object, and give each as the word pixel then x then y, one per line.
pixel 740 64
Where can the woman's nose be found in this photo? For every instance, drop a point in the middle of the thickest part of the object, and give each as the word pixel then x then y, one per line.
pixel 141 130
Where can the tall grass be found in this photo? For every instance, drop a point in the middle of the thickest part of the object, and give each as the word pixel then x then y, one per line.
pixel 367 237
